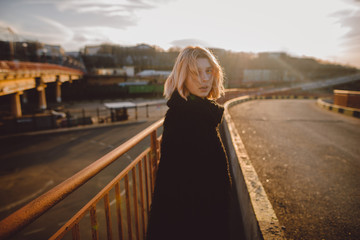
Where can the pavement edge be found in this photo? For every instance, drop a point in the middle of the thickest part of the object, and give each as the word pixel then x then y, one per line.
pixel 352 112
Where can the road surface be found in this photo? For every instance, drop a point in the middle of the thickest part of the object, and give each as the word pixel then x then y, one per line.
pixel 308 160
pixel 33 164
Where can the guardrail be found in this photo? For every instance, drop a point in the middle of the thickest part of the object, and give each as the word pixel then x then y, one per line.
pixel 352 112
pixel 142 171
pixel 99 115
pixel 17 70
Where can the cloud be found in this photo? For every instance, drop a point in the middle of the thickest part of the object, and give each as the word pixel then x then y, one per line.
pixel 57 27
pixel 38 29
pixel 6 33
pixel 349 19
pixel 352 20
pixel 45 30
pixel 95 36
pixel 74 23
pixel 110 7
pixel 105 13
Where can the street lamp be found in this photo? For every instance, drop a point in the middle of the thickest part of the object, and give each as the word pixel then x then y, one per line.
pixel 25 45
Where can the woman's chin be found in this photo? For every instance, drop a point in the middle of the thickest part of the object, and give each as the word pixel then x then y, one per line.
pixel 202 94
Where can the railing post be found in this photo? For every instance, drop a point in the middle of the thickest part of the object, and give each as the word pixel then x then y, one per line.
pixel 128 207
pixel 94 223
pixel 142 200
pixel 83 116
pixel 147 110
pixel 108 216
pixel 135 199
pixel 148 182
pixel 76 232
pixel 136 113
pixel 98 114
pixel 118 210
pixel 154 156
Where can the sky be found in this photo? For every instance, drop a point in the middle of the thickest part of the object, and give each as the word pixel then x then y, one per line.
pixel 322 29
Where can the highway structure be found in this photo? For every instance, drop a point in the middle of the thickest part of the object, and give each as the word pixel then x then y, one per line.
pixel 18 77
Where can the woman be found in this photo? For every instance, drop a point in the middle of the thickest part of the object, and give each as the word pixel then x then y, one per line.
pixel 192 188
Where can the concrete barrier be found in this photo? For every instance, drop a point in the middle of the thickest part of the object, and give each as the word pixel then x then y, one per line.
pixel 353 112
pixel 258 217
pixel 346 98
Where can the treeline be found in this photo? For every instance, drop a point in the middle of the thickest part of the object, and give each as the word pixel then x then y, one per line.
pixel 234 63
pixel 144 57
pixel 141 56
pixel 308 68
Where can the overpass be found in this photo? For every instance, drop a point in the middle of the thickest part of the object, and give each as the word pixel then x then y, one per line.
pixel 17 77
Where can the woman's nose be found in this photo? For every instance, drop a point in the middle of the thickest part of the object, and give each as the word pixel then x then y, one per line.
pixel 204 76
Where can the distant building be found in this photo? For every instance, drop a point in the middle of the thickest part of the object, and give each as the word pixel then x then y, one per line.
pixel 51 51
pixel 143 46
pixel 154 76
pixel 76 55
pixel 91 50
pixel 128 71
pixel 150 73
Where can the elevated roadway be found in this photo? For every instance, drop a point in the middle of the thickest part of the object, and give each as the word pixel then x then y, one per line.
pixel 18 77
pixel 307 159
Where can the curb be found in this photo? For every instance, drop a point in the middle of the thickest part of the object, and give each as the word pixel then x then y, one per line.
pixel 257 213
pixel 352 112
pixel 282 97
pixel 241 99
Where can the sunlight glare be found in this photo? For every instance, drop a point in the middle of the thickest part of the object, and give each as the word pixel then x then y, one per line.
pixel 253 26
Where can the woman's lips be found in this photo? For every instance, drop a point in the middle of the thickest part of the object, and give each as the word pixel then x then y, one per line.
pixel 204 88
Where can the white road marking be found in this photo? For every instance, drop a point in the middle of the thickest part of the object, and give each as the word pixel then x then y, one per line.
pixel 128 156
pixel 34 231
pixel 61 223
pixel 114 201
pixel 26 199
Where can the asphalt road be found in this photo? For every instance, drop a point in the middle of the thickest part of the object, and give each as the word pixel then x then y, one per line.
pixel 33 164
pixel 308 160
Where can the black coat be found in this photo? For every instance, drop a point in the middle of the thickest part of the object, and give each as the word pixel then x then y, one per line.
pixel 192 188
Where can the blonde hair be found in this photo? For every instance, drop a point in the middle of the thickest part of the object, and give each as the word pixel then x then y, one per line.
pixel 186 66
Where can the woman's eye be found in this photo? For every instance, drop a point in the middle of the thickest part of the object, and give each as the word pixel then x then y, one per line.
pixel 209 71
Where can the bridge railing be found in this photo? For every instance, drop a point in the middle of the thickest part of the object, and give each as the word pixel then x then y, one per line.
pixel 17 70
pixel 136 182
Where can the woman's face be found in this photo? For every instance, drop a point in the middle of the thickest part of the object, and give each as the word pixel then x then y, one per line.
pixel 201 86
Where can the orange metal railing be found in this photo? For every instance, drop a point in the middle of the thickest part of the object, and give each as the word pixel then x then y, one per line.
pixel 140 174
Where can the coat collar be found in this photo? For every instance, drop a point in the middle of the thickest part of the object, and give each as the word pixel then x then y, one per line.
pixel 198 105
